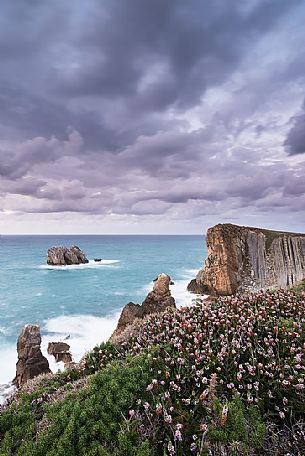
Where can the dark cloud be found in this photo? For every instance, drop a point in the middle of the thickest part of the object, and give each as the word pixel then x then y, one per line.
pixel 295 141
pixel 150 107
pixel 163 53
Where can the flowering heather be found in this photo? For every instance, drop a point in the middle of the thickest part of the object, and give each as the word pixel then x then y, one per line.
pixel 246 350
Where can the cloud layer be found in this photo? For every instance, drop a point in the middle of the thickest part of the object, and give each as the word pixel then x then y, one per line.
pixel 151 115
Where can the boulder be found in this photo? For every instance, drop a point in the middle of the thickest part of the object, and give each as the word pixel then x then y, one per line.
pixel 62 256
pixel 158 300
pixel 31 361
pixel 60 351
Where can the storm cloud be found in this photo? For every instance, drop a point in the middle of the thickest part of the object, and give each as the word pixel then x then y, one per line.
pixel 295 141
pixel 145 111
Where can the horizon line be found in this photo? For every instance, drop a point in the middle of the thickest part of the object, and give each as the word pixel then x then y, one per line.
pixel 100 234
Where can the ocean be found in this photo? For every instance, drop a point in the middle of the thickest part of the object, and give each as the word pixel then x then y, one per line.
pixel 85 301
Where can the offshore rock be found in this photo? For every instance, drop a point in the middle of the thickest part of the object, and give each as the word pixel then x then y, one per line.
pixel 62 256
pixel 156 301
pixel 31 361
pixel 249 259
pixel 60 351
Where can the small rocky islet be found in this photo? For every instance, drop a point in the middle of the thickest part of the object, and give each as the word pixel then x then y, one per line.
pixel 224 376
pixel 65 256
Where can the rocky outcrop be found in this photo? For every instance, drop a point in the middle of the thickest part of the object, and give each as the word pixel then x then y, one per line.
pixel 158 300
pixel 62 256
pixel 60 351
pixel 31 361
pixel 248 259
pixel 197 288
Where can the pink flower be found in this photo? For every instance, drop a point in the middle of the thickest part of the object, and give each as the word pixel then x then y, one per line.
pixel 158 409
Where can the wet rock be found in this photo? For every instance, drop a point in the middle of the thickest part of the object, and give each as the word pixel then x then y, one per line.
pixel 31 361
pixel 62 256
pixel 60 351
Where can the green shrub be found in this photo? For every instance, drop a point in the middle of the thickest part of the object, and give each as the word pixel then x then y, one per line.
pixel 89 421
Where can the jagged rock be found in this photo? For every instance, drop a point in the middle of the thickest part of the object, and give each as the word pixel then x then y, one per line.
pixel 31 361
pixel 156 301
pixel 160 298
pixel 129 313
pixel 248 259
pixel 62 256
pixel 60 351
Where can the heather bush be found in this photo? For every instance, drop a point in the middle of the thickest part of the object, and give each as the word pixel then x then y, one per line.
pixel 248 348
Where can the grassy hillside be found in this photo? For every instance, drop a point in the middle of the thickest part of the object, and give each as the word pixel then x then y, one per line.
pixel 224 377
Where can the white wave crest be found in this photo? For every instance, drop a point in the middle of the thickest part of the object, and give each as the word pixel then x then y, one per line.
pixel 8 357
pixel 81 332
pixel 91 265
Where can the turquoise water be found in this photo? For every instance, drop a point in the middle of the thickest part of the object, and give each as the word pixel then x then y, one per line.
pixel 83 302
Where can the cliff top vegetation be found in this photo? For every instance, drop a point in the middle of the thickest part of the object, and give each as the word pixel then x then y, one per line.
pixel 223 377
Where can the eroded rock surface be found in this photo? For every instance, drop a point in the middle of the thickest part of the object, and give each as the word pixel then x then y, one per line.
pixel 62 256
pixel 197 288
pixel 31 361
pixel 60 351
pixel 158 300
pixel 248 259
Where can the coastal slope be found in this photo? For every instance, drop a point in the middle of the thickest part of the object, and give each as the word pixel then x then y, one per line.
pixel 244 258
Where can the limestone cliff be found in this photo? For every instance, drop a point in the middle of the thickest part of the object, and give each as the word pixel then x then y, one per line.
pixel 246 259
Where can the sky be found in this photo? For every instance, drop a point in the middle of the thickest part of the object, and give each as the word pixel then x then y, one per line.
pixel 151 116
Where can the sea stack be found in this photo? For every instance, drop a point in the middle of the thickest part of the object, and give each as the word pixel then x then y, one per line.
pixel 31 361
pixel 63 256
pixel 157 300
pixel 244 259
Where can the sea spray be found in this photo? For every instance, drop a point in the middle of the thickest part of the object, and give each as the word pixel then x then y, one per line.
pixel 81 332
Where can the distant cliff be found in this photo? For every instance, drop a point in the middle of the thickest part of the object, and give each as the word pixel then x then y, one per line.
pixel 246 259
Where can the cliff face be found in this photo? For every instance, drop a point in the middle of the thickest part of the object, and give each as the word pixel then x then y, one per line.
pixel 248 259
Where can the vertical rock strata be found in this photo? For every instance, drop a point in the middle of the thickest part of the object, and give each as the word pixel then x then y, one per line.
pixel 31 361
pixel 247 259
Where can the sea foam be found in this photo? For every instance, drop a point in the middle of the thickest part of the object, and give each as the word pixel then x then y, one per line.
pixel 91 265
pixel 81 332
